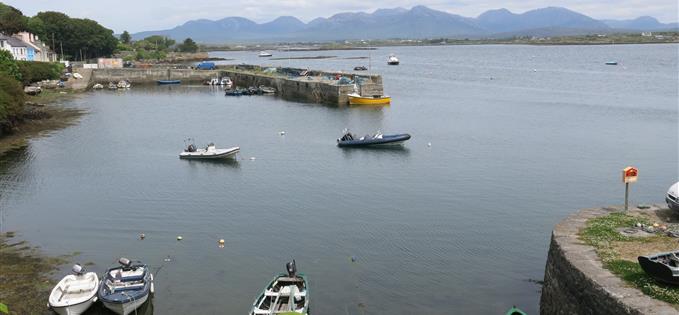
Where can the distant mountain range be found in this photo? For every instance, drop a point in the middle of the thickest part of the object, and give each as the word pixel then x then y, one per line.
pixel 418 22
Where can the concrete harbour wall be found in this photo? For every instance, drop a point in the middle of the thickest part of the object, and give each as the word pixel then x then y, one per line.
pixel 577 283
pixel 314 87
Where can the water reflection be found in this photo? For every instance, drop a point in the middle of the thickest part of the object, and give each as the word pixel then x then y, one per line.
pixel 231 163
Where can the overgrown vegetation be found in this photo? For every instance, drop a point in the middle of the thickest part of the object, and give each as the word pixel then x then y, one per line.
pixel 33 71
pixel 602 233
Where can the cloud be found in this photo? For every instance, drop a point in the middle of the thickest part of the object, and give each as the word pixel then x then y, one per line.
pixel 138 15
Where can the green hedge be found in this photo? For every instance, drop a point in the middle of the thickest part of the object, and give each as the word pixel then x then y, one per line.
pixel 11 98
pixel 33 71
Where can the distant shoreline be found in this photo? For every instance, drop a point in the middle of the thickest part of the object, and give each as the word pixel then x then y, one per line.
pixel 597 39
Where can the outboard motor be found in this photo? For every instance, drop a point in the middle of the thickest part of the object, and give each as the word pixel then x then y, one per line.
pixel 126 263
pixel 292 269
pixel 78 269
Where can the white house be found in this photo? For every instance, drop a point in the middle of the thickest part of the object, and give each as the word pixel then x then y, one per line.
pixel 16 47
pixel 26 46
pixel 37 50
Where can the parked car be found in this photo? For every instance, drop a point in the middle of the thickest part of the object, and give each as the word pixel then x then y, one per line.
pixel 206 66
pixel 672 197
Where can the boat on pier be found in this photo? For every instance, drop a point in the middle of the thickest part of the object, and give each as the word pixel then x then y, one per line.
pixel 663 267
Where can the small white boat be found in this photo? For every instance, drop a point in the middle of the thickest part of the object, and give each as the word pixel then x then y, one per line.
pixel 265 54
pixel 124 84
pixel 226 82
pixel 210 152
pixel 213 81
pixel 75 293
pixel 393 60
pixel 98 86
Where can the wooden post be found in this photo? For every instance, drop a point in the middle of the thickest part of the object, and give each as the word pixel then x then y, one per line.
pixel 626 195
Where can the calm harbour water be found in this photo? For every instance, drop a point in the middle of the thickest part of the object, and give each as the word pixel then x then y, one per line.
pixel 521 136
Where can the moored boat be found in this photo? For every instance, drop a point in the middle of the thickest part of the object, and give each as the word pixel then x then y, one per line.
pixel 210 152
pixel 266 89
pixel 393 60
pixel 287 293
pixel 611 63
pixel 125 288
pixel 169 82
pixel 75 293
pixel 360 68
pixel 356 99
pixel 265 54
pixel 234 92
pixel 378 139
pixel 663 267
pixel 226 82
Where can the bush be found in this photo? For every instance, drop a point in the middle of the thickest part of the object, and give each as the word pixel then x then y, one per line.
pixel 33 71
pixel 11 98
pixel 8 65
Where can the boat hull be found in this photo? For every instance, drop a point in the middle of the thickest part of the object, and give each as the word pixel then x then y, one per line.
pixel 393 63
pixel 126 308
pixel 364 100
pixel 218 154
pixel 75 309
pixel 166 82
pixel 387 140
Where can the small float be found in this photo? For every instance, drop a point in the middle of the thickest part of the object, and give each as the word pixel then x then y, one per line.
pixel 164 82
pixel 75 293
pixel 127 287
pixel 663 267
pixel 357 99
pixel 210 152
pixel 378 139
pixel 287 293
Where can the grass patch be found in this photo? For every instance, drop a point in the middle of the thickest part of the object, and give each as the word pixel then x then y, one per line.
pixel 602 234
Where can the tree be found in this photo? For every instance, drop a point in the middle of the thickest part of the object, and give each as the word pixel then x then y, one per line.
pixel 160 42
pixel 188 46
pixel 78 37
pixel 8 66
pixel 12 21
pixel 125 37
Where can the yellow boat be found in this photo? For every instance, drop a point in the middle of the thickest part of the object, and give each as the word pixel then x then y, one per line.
pixel 355 99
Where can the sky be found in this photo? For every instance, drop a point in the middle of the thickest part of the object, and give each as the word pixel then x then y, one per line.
pixel 148 15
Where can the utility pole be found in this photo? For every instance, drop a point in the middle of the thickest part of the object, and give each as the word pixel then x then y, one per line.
pixel 62 49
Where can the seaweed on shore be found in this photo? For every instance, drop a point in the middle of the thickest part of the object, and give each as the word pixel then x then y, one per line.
pixel 25 276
